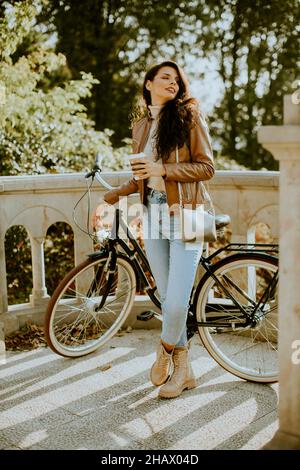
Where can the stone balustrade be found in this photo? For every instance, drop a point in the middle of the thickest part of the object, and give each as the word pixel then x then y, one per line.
pixel 37 202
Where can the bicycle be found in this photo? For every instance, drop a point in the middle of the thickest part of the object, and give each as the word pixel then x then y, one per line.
pixel 233 306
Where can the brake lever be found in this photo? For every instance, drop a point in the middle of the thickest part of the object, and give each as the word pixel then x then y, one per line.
pixel 96 167
pixel 89 174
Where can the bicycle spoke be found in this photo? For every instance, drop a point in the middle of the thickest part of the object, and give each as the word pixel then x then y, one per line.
pixel 238 289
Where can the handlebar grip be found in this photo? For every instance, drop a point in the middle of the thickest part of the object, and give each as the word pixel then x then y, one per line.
pixel 98 160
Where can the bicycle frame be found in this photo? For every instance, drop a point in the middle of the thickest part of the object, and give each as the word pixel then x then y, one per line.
pixel 133 254
pixel 249 318
pixel 206 262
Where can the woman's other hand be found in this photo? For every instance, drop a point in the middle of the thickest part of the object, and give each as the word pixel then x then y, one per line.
pixel 111 197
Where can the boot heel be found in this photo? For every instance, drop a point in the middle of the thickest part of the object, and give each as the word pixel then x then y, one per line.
pixel 191 384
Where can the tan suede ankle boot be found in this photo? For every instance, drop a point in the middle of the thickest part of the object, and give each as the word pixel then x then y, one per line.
pixel 160 370
pixel 182 377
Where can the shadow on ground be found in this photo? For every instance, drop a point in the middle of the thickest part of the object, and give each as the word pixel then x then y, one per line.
pixel 106 401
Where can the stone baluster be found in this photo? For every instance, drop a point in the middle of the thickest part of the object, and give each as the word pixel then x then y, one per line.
pixel 284 143
pixel 3 285
pixel 3 297
pixel 39 291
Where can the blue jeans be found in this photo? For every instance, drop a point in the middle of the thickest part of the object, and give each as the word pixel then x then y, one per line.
pixel 173 264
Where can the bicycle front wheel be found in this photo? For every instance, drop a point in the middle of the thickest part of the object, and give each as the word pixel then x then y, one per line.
pixel 249 281
pixel 88 307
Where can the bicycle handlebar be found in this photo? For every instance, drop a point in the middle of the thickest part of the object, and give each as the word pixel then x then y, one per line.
pixel 95 172
pixel 103 182
pixel 98 160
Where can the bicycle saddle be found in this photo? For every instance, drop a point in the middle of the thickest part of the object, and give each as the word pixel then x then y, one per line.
pixel 222 220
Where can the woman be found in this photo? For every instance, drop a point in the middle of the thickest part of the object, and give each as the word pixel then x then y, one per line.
pixel 173 121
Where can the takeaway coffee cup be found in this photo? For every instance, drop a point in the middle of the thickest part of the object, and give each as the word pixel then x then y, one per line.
pixel 135 156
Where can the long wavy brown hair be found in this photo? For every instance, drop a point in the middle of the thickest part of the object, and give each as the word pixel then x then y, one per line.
pixel 175 118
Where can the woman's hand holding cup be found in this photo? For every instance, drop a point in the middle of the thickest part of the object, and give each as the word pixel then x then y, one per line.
pixel 143 167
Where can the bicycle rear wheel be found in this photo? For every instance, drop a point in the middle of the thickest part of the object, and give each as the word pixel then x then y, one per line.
pixel 250 353
pixel 88 307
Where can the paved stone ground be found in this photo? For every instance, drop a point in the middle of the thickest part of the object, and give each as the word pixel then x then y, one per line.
pixel 106 401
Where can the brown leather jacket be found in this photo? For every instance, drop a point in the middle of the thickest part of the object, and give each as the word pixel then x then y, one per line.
pixel 195 165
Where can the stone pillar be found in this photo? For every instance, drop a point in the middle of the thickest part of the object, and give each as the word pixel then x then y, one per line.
pixel 3 297
pixel 284 143
pixel 3 285
pixel 2 343
pixel 39 291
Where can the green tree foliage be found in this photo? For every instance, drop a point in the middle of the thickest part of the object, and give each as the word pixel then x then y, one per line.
pixel 18 265
pixel 44 125
pixel 115 40
pixel 256 45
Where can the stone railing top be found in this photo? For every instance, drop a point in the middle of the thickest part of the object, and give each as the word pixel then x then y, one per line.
pixel 76 181
pixel 279 134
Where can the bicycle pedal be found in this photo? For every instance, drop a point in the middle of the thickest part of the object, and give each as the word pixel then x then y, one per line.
pixel 145 316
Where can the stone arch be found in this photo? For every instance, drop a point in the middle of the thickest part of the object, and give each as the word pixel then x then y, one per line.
pixel 46 215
